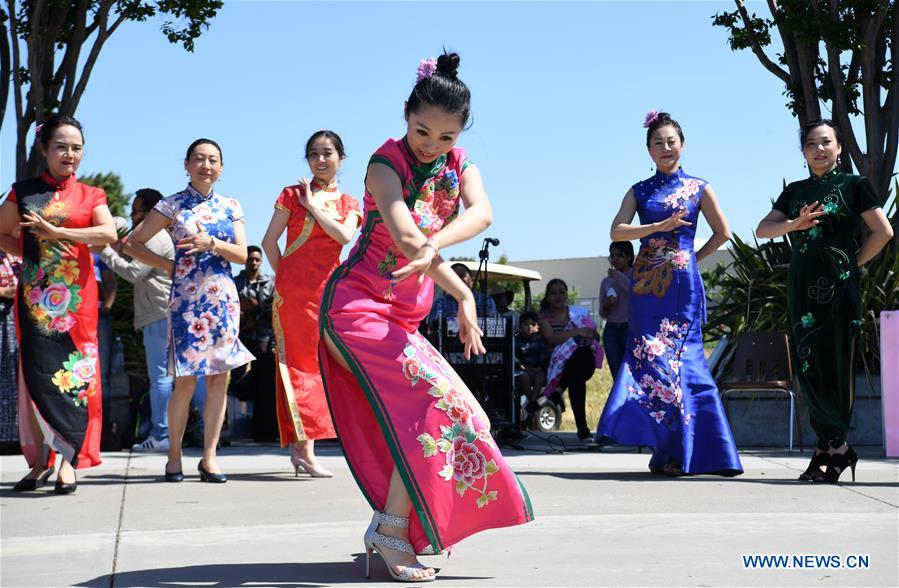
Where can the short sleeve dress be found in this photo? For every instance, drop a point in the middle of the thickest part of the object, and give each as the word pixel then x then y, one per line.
pixel 305 267
pixel 824 304
pixel 204 309
pixel 56 322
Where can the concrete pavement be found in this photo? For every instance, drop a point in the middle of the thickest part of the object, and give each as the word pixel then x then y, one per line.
pixel 602 520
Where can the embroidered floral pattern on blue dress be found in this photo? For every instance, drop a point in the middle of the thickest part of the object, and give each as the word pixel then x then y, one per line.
pixel 204 308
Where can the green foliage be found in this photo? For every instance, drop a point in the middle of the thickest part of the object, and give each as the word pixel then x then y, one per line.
pixel 750 293
pixel 841 26
pixel 112 184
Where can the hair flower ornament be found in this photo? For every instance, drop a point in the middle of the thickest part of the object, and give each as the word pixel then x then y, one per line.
pixel 651 117
pixel 38 129
pixel 426 68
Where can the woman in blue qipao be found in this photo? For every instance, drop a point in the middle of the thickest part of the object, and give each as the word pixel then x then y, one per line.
pixel 664 395
pixel 204 309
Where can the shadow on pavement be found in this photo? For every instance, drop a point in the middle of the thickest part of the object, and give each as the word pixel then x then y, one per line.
pixel 649 477
pixel 260 574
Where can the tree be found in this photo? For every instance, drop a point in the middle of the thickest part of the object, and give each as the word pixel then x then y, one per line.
pixel 839 52
pixel 33 31
pixel 116 198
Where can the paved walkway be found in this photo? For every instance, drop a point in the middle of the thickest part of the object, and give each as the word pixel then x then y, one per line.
pixel 602 520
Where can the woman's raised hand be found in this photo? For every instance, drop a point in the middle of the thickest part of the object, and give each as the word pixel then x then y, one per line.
pixel 469 332
pixel 808 217
pixel 675 221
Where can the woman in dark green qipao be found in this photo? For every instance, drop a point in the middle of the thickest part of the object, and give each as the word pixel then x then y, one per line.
pixel 823 289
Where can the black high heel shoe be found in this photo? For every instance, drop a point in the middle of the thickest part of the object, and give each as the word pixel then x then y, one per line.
pixel 29 484
pixel 838 464
pixel 173 476
pixel 814 472
pixel 207 476
pixel 63 488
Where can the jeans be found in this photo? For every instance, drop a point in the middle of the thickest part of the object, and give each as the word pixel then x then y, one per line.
pixel 105 349
pixel 156 346
pixel 614 343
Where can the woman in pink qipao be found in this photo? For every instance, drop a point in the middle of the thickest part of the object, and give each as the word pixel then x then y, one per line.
pixel 415 438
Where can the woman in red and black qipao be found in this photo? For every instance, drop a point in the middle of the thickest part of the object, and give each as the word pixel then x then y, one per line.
pixel 50 221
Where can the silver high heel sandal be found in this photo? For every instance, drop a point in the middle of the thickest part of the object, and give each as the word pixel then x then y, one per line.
pixel 298 462
pixel 429 550
pixel 374 541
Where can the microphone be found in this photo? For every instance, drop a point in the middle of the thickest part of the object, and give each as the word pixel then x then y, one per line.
pixel 492 241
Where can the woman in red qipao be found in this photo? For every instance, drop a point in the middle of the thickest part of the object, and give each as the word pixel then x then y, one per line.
pixel 319 220
pixel 49 221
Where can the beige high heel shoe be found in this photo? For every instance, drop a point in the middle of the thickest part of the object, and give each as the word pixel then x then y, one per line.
pixel 374 541
pixel 298 462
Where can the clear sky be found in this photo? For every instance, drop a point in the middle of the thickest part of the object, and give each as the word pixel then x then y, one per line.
pixel 559 91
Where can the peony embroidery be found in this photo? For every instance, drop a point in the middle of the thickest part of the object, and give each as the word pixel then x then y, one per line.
pixel 465 462
pixel 657 363
pixel 50 288
pixel 687 193
pixel 77 374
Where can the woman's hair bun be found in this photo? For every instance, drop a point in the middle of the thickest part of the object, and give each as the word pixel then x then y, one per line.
pixel 448 64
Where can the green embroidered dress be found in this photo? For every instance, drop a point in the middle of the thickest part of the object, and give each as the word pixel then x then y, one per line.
pixel 824 295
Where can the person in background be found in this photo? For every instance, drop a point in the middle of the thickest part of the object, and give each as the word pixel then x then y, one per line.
pixel 446 306
pixel 152 287
pixel 106 287
pixel 571 335
pixel 532 356
pixel 10 267
pixel 613 294
pixel 256 381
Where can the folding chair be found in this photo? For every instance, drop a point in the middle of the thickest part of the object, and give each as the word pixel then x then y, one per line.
pixel 762 363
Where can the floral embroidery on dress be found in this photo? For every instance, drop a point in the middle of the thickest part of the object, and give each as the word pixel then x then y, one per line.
pixel 437 202
pixel 808 320
pixel 653 267
pixel 656 373
pixel 687 193
pixel 77 374
pixel 465 462
pixel 814 232
pixel 50 289
pixel 385 268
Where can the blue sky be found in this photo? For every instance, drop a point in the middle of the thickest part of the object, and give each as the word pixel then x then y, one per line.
pixel 559 94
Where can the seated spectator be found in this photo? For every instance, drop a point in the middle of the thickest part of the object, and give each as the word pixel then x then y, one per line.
pixel 446 306
pixel 256 382
pixel 613 295
pixel 502 297
pixel 531 356
pixel 571 334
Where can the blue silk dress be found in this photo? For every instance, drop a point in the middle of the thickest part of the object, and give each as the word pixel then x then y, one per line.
pixel 664 396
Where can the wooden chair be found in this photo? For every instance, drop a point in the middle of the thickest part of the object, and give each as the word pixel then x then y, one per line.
pixel 762 363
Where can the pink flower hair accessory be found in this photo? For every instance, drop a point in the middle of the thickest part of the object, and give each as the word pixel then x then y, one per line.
pixel 651 117
pixel 426 68
pixel 38 129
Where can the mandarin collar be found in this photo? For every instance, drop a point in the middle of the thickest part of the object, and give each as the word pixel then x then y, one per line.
pixel 828 175
pixel 317 184
pixel 422 168
pixel 197 194
pixel 59 185
pixel 663 178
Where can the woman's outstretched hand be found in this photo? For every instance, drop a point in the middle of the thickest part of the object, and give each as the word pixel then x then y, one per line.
pixel 675 221
pixel 419 264
pixel 469 332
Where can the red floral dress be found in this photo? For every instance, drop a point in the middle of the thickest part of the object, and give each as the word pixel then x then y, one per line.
pixel 56 324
